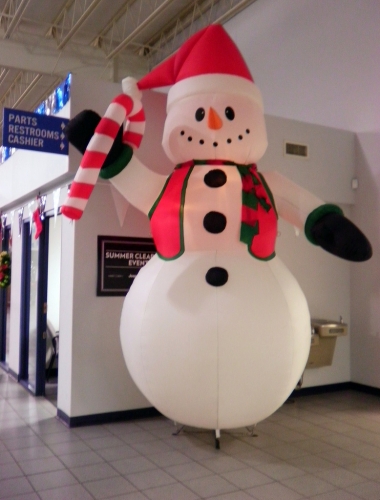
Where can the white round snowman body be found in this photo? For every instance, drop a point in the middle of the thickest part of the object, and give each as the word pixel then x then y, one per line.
pixel 220 355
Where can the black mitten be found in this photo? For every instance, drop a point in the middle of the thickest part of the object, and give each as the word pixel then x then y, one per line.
pixel 339 236
pixel 81 128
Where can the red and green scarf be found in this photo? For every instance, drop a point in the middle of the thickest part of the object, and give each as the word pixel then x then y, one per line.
pixel 258 213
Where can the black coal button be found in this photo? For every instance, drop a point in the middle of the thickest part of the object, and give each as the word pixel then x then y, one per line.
pixel 217 276
pixel 214 222
pixel 215 178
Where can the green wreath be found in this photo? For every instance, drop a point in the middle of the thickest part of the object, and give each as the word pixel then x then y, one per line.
pixel 5 269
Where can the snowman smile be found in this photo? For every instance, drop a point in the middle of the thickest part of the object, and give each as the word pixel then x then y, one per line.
pixel 215 144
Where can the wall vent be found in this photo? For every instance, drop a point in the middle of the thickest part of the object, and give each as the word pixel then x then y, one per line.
pixel 293 149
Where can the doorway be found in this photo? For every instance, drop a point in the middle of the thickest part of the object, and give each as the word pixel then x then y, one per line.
pixel 33 309
pixel 53 308
pixel 5 304
pixel 39 343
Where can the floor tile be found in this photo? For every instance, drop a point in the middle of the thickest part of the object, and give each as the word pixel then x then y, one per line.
pixel 286 451
pixel 308 485
pixel 137 495
pixel 168 458
pixel 27 496
pixel 341 457
pixel 108 488
pixel 20 443
pixel 274 491
pixel 5 457
pixel 246 478
pixel 281 470
pixel 171 492
pixel 49 480
pixel 9 470
pixel 150 447
pixel 60 437
pixel 32 453
pixel 368 451
pixel 341 477
pixel 257 457
pixel 369 490
pixel 366 468
pixel 99 443
pixel 16 486
pixel 92 431
pixel 236 447
pixel 40 465
pixel 311 463
pixel 261 440
pixel 150 479
pixel 138 437
pixel 222 464
pixel 67 447
pixel 49 426
pixel 120 428
pixel 79 459
pixel 235 495
pixel 188 471
pixel 93 472
pixel 132 465
pixel 335 495
pixel 198 453
pixel 210 486
pixel 75 492
pixel 155 423
pixel 118 453
pixel 315 446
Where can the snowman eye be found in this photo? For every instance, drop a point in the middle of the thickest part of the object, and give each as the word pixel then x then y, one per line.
pixel 230 113
pixel 199 114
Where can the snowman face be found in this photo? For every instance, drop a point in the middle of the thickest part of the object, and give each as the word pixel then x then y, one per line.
pixel 219 126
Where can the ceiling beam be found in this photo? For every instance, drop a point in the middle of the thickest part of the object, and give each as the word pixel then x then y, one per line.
pixel 82 60
pixel 3 74
pixel 19 89
pixel 12 15
pixel 70 19
pixel 142 25
pixel 122 12
pixel 194 17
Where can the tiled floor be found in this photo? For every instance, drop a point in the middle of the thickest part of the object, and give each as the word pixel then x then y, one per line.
pixel 325 447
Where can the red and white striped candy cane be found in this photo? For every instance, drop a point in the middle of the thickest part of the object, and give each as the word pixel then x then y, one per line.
pixel 122 108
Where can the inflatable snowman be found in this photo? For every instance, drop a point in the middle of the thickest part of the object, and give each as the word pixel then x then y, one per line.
pixel 215 329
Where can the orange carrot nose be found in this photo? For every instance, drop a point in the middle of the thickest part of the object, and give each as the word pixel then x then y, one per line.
pixel 213 120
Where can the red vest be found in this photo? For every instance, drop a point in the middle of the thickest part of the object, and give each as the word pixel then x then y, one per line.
pixel 258 214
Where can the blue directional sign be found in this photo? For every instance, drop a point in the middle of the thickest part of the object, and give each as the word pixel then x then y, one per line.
pixel 25 130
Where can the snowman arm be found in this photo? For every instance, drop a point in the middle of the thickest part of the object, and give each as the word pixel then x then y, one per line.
pixel 293 203
pixel 324 224
pixel 137 183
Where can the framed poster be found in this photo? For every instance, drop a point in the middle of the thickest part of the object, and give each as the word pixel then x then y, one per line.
pixel 119 260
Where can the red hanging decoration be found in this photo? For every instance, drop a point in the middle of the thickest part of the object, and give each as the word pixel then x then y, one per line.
pixel 38 215
pixel 38 223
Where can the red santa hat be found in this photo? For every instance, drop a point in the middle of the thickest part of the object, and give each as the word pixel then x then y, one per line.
pixel 209 61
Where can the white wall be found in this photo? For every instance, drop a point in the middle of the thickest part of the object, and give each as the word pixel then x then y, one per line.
pixel 314 61
pixel 99 381
pixel 325 279
pixel 15 309
pixel 328 170
pixel 54 272
pixel 365 290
